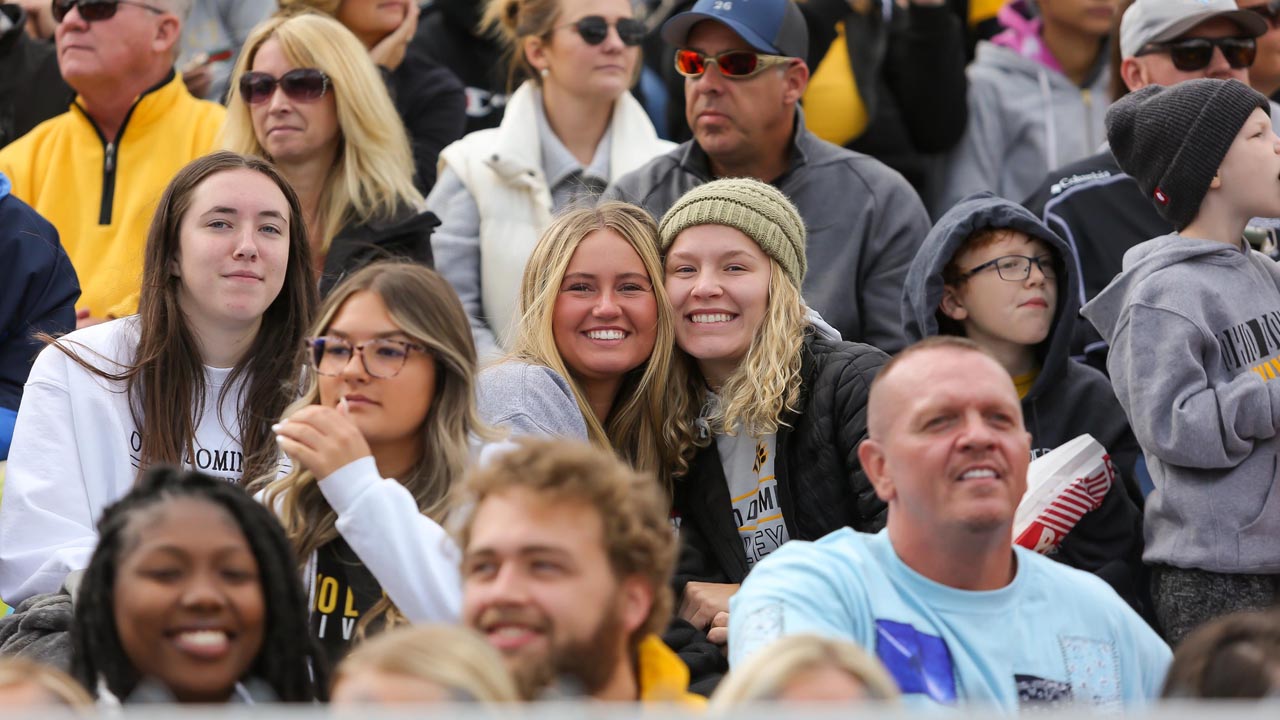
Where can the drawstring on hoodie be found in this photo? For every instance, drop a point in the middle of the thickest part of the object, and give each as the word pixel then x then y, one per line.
pixel 1050 126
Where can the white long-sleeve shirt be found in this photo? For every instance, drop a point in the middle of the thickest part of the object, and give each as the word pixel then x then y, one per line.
pixel 76 450
pixel 412 556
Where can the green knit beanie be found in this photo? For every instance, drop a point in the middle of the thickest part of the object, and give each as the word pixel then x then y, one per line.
pixel 758 209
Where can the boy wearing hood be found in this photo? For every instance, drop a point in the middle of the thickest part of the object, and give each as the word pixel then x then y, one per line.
pixel 990 271
pixel 1193 322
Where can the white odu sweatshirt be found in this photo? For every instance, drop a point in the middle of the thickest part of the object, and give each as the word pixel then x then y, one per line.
pixel 75 451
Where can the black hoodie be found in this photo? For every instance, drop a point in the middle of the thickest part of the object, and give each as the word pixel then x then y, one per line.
pixel 447 34
pixel 31 88
pixel 1067 399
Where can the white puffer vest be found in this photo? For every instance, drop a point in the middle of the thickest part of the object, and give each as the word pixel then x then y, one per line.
pixel 502 169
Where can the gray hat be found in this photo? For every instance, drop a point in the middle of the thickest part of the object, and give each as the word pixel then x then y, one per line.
pixel 775 27
pixel 1173 140
pixel 1153 21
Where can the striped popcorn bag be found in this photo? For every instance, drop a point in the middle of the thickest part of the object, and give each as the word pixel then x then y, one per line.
pixel 1062 486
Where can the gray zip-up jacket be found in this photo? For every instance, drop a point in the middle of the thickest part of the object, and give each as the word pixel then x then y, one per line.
pixel 1194 329
pixel 865 223
pixel 1025 120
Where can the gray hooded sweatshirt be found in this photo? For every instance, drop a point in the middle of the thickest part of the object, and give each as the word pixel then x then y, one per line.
pixel 1024 121
pixel 1194 330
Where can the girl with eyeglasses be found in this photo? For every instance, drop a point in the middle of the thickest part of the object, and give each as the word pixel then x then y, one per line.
pixel 430 99
pixel 193 379
pixel 377 441
pixel 306 95
pixel 568 131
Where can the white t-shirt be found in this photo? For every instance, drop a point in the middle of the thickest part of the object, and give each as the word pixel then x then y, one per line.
pixel 76 450
pixel 753 489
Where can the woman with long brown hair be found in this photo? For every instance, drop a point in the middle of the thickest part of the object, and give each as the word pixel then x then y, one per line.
pixel 195 378
pixel 378 439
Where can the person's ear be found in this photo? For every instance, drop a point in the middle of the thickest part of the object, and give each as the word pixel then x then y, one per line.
pixel 876 465
pixel 1133 74
pixel 952 305
pixel 1216 182
pixel 795 79
pixel 535 53
pixel 637 601
pixel 175 267
pixel 168 31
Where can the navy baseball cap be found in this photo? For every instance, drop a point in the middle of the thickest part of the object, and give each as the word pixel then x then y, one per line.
pixel 775 27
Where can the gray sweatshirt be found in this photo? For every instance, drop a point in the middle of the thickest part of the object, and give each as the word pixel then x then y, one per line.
pixel 1194 329
pixel 1025 120
pixel 528 399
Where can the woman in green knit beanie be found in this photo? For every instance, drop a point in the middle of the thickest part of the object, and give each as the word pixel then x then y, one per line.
pixel 778 400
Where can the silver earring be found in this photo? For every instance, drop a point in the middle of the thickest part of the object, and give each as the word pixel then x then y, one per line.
pixel 544 72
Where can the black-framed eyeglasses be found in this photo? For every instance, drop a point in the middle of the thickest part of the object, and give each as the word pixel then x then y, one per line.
pixel 94 10
pixel 300 84
pixel 1016 268
pixel 736 64
pixel 1193 54
pixel 382 358
pixel 1269 11
pixel 593 29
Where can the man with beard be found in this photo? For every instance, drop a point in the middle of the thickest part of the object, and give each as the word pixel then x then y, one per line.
pixel 952 609
pixel 566 569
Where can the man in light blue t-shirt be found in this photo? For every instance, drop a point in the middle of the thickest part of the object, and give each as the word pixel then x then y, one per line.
pixel 952 609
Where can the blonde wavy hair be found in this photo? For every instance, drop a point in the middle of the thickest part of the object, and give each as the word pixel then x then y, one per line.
pixel 372 177
pixel 425 307
pixel 766 384
pixel 60 687
pixel 764 676
pixel 641 428
pixel 458 659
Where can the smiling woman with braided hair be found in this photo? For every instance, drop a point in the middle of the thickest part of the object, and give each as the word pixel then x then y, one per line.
pixel 190 585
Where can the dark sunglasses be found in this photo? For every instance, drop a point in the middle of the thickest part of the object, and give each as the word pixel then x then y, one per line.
pixel 1192 54
pixel 732 63
pixel 94 10
pixel 1269 11
pixel 593 30
pixel 302 84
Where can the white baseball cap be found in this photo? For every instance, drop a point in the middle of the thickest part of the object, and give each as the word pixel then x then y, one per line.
pixel 1152 21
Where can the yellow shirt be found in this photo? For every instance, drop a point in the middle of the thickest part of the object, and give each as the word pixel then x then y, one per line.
pixel 833 108
pixel 980 10
pixel 1024 382
pixel 663 676
pixel 60 168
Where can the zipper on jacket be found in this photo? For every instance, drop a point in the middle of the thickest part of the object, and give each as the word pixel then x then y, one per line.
pixel 109 149
pixel 108 184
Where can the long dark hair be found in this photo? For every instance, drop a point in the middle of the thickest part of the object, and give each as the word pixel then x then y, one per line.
pixel 290 661
pixel 166 380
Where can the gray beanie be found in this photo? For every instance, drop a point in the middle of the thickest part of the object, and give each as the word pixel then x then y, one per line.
pixel 1172 140
pixel 759 210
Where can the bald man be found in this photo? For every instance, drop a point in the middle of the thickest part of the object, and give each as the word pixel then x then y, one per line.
pixel 954 611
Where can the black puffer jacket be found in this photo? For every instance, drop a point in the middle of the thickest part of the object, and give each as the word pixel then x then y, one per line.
pixel 405 237
pixel 821 486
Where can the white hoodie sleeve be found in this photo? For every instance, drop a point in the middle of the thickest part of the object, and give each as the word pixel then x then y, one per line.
pixel 46 518
pixel 412 556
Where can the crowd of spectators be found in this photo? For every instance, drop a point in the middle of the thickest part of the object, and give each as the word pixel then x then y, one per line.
pixel 693 352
